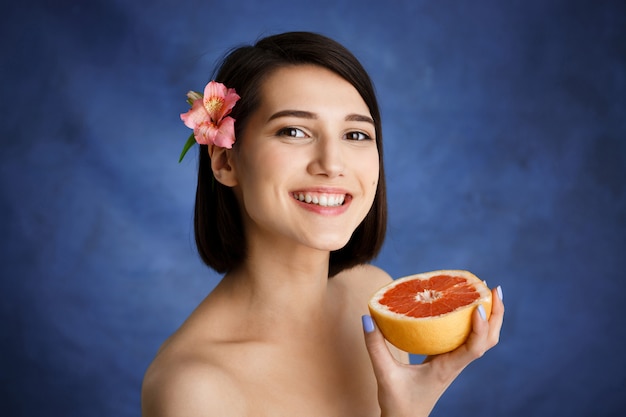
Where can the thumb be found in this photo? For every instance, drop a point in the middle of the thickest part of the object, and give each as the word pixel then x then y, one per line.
pixel 377 347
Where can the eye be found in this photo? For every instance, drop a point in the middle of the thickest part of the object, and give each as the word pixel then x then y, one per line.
pixel 356 135
pixel 292 132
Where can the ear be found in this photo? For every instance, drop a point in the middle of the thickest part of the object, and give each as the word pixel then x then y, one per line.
pixel 222 165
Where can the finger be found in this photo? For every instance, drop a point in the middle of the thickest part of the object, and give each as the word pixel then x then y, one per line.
pixel 497 317
pixel 381 357
pixel 476 343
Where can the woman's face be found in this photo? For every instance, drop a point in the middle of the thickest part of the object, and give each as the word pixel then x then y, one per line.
pixel 306 165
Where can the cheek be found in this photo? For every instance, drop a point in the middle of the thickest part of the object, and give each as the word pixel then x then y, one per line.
pixel 260 175
pixel 372 169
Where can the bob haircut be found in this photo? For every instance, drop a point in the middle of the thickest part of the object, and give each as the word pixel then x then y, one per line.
pixel 218 227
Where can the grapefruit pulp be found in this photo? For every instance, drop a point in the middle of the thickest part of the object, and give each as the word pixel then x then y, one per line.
pixel 429 313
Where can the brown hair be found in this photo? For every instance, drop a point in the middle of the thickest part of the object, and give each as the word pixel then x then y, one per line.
pixel 218 227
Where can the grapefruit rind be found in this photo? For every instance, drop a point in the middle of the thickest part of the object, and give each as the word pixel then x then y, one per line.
pixel 429 335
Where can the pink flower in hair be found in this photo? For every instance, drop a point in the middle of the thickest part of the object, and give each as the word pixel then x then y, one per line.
pixel 208 116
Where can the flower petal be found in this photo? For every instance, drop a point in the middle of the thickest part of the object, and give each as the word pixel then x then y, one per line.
pixel 205 133
pixel 225 135
pixel 195 116
pixel 217 92
pixel 215 89
pixel 230 100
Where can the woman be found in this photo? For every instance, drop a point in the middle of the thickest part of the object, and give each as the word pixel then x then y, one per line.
pixel 291 207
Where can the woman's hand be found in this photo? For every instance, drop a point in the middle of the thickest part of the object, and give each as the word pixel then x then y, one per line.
pixel 413 390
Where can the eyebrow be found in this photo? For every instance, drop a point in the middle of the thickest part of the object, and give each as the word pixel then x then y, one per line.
pixel 353 117
pixel 359 118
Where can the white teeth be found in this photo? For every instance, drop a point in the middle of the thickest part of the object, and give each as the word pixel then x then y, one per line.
pixel 324 200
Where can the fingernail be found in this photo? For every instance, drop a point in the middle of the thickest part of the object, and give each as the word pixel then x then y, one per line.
pixel 481 311
pixel 499 291
pixel 368 324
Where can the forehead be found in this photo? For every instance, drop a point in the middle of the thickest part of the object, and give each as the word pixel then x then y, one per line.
pixel 310 87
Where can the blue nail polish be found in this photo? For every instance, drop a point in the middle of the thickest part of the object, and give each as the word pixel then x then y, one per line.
pixel 499 291
pixel 481 311
pixel 368 324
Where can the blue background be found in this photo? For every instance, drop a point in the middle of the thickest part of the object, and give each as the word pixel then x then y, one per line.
pixel 505 128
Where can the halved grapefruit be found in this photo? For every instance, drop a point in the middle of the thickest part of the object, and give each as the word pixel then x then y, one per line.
pixel 429 313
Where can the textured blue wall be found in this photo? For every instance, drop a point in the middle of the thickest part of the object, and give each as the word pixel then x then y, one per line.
pixel 505 150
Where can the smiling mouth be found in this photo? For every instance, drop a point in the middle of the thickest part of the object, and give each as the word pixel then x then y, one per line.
pixel 324 200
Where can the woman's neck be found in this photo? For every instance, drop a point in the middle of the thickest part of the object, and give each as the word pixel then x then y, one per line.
pixel 281 291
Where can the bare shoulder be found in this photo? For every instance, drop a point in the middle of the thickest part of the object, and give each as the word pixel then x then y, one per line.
pixel 366 277
pixel 176 385
pixel 359 283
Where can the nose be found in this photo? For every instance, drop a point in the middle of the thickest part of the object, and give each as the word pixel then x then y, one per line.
pixel 328 158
